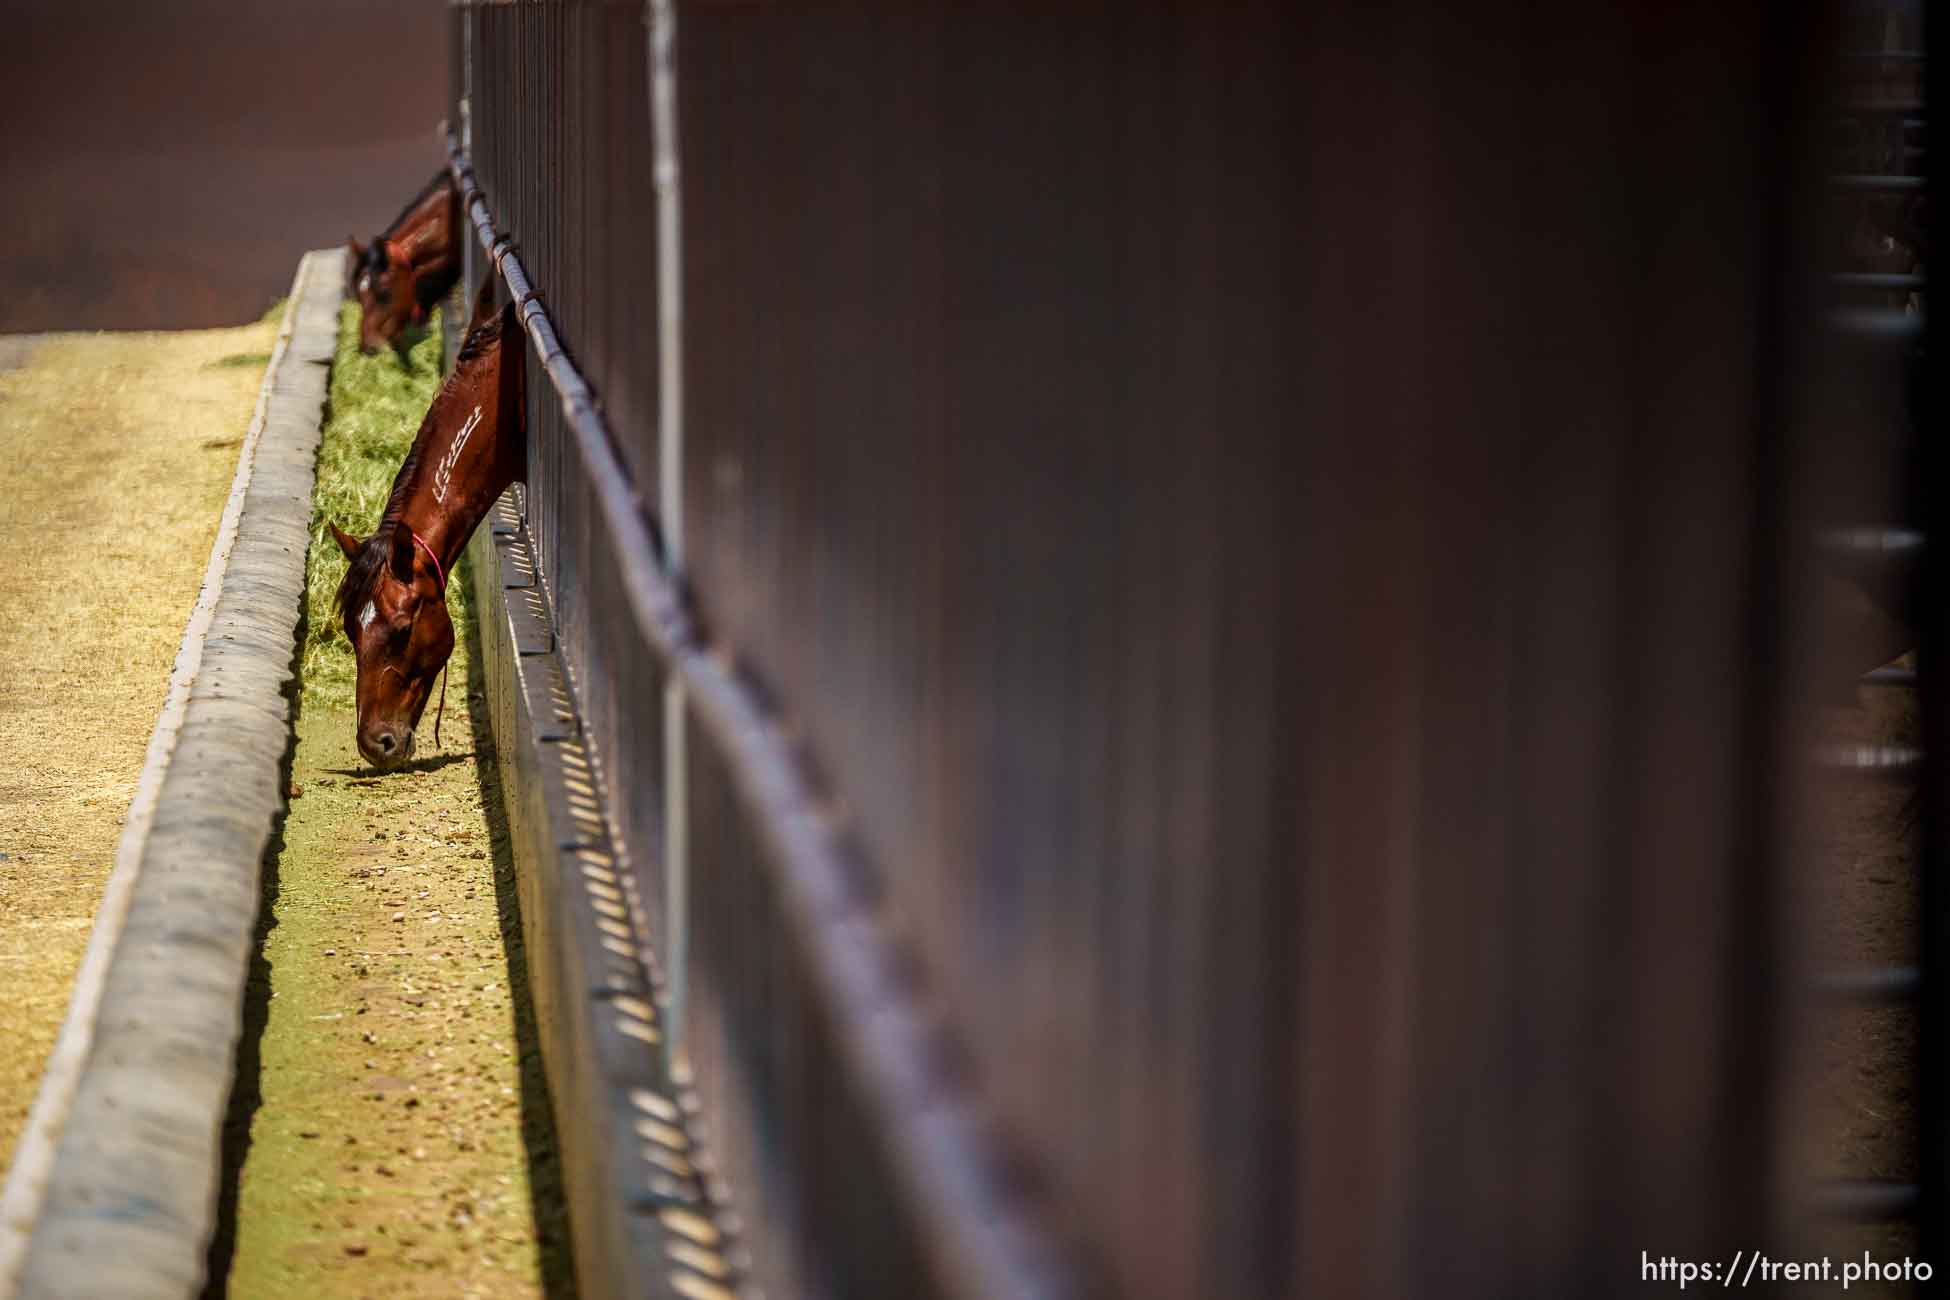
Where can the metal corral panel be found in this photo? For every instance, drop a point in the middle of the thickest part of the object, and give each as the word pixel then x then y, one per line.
pixel 1272 539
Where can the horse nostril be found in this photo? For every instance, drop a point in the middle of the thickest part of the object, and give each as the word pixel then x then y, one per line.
pixel 386 742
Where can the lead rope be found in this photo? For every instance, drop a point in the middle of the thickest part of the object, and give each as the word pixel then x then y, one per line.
pixel 442 706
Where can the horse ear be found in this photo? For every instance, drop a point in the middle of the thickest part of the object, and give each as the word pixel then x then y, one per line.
pixel 403 556
pixel 347 542
pixel 357 249
pixel 483 303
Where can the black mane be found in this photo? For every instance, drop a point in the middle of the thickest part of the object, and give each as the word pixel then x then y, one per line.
pixel 375 254
pixel 362 574
pixel 440 180
pixel 478 340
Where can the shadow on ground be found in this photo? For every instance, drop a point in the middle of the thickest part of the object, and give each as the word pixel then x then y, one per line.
pixel 547 1204
pixel 246 1089
pixel 363 775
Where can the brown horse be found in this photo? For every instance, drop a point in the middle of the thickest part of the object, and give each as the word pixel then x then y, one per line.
pixel 404 272
pixel 393 600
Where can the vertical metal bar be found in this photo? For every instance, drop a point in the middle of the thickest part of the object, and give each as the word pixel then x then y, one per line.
pixel 670 502
pixel 1933 646
pixel 471 254
pixel 466 108
pixel 1754 941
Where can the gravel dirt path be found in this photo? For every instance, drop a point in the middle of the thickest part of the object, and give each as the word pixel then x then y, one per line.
pixel 389 1134
pixel 391 1116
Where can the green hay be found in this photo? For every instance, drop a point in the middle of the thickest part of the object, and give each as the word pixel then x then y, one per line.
pixel 375 410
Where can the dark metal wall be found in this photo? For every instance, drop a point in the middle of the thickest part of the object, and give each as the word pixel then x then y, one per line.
pixel 1284 542
pixel 164 165
pixel 561 143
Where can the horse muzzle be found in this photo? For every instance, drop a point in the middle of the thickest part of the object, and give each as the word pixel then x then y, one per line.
pixel 386 746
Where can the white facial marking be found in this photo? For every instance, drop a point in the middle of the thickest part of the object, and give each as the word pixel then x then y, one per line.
pixel 446 470
pixel 365 616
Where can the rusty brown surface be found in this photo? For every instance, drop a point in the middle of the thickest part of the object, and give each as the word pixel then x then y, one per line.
pixel 164 166
pixel 1290 548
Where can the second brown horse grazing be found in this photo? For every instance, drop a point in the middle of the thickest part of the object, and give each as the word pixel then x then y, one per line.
pixel 400 276
pixel 393 600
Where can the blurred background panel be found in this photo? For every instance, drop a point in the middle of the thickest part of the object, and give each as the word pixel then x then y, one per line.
pixel 163 166
pixel 1289 538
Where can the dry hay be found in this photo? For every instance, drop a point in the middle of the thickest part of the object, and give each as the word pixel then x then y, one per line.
pixel 116 454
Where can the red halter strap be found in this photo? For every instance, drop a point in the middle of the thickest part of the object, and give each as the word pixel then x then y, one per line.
pixel 438 572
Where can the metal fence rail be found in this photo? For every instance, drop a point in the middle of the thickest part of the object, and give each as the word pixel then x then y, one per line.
pixel 1247 673
pixel 942 1153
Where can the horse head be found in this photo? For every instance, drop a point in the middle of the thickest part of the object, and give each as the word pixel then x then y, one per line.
pixel 393 599
pixel 399 277
pixel 394 603
pixel 385 284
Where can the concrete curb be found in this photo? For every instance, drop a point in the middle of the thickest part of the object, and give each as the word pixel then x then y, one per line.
pixel 113 1191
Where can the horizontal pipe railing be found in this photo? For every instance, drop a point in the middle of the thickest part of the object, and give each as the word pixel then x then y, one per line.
pixel 1888 762
pixel 1870 280
pixel 985 1237
pixel 1883 184
pixel 1878 324
pixel 1870 543
pixel 1867 1200
pixel 1872 984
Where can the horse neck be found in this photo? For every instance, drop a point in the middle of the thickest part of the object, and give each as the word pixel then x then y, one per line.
pixel 424 232
pixel 463 462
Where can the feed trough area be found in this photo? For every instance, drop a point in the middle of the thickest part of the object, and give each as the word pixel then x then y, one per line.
pixel 391 1117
